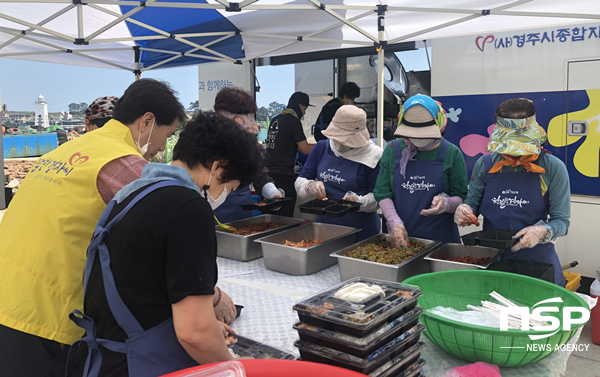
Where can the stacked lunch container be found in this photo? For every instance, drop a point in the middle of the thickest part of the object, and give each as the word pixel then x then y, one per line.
pixel 375 330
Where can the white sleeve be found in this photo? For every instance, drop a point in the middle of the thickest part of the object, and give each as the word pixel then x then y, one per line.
pixel 301 186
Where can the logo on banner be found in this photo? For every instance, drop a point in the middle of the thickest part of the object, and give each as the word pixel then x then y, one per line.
pixel 332 175
pixel 506 201
pixel 417 186
pixel 559 35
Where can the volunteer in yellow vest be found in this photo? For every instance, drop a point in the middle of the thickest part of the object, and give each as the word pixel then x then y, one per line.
pixel 46 230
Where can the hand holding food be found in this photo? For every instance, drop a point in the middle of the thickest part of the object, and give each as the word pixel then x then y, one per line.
pixel 399 236
pixel 226 329
pixel 351 197
pixel 317 188
pixel 530 236
pixel 464 216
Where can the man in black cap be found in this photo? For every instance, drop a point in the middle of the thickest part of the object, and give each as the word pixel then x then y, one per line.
pixel 285 138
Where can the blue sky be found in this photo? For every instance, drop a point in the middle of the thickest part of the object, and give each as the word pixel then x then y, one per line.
pixel 21 82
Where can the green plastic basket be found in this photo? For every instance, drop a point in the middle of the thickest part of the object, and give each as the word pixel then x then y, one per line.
pixel 473 343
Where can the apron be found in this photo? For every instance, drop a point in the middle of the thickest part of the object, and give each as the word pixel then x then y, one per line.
pixel 513 201
pixel 339 177
pixel 230 210
pixel 424 180
pixel 152 352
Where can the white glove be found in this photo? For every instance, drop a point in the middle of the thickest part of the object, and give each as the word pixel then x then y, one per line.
pixel 531 236
pixel 442 203
pixel 399 236
pixel 279 194
pixel 464 216
pixel 316 188
pixel 367 202
pixel 271 191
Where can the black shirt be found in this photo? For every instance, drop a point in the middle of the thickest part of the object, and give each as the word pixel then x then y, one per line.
pixel 327 112
pixel 285 132
pixel 162 251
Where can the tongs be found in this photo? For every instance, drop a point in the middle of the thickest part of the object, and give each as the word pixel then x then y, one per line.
pixel 225 228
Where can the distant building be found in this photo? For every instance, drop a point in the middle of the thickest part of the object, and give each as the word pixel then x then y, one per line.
pixel 41 111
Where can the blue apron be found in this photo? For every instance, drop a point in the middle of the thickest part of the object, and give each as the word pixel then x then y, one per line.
pixel 424 180
pixel 230 210
pixel 339 177
pixel 513 201
pixel 152 352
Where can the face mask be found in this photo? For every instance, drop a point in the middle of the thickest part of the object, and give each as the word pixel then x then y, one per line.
pixel 420 143
pixel 340 147
pixel 214 203
pixel 144 148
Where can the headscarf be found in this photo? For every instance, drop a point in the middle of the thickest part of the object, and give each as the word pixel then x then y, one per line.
pixel 246 121
pixel 102 107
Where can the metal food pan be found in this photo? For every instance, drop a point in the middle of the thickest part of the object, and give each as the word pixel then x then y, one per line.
pixel 454 250
pixel 353 267
pixel 305 261
pixel 243 248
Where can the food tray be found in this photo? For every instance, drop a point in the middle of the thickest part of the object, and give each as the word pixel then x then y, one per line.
pixel 543 271
pixel 360 347
pixel 243 248
pixel 413 370
pixel 325 355
pixel 498 239
pixel 352 267
pixel 247 347
pixel 401 363
pixel 332 207
pixel 305 261
pixel 238 310
pixel 358 320
pixel 454 250
pixel 265 205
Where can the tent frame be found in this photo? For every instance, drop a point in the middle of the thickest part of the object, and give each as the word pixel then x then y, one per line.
pixel 39 34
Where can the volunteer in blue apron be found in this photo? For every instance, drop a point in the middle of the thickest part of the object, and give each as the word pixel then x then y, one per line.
pixel 151 266
pixel 423 177
pixel 520 187
pixel 345 167
pixel 236 104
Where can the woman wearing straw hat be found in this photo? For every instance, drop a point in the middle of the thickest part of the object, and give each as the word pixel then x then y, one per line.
pixel 423 177
pixel 345 167
pixel 517 187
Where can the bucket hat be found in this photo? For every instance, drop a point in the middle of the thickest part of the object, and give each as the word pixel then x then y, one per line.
pixel 349 127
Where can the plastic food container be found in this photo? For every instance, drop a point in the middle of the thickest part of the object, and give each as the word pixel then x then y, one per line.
pixel 537 270
pixel 353 267
pixel 438 261
pixel 265 205
pixel 326 355
pixel 360 347
pixel 498 239
pixel 333 207
pixel 401 363
pixel 243 248
pixel 413 370
pixel 305 261
pixel 242 347
pixel 339 315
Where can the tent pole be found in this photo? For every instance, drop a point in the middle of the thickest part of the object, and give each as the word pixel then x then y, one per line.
pixel 136 71
pixel 380 74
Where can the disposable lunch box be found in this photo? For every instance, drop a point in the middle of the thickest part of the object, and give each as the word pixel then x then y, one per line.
pixel 360 347
pixel 244 347
pixel 326 355
pixel 359 319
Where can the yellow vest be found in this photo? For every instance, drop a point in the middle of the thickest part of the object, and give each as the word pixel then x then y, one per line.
pixel 46 230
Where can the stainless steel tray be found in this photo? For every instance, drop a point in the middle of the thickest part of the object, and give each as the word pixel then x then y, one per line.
pixel 353 267
pixel 305 261
pixel 243 248
pixel 453 250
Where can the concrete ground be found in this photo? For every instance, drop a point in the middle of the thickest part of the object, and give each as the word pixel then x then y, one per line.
pixel 585 363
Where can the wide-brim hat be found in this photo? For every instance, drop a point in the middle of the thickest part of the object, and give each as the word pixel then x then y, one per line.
pixel 421 117
pixel 517 137
pixel 349 127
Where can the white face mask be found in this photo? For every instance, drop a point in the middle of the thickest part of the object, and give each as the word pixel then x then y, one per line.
pixel 214 203
pixel 144 148
pixel 420 143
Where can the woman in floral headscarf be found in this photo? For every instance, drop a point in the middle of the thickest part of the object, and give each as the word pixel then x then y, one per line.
pixel 423 177
pixel 519 187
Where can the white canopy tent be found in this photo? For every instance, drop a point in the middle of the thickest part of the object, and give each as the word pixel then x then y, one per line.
pixel 140 36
